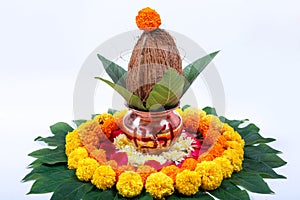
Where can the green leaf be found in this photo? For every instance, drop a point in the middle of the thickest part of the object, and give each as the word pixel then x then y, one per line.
pixel 50 156
pixel 167 92
pixel 78 122
pixel 132 100
pixel 185 107
pixel 51 181
pixel 44 171
pixel 252 182
pixel 228 190
pixel 210 111
pixel 198 195
pixel 116 73
pixel 270 159
pixel 233 123
pixel 72 190
pixel 261 168
pixel 96 194
pixel 258 149
pixel 255 138
pixel 192 71
pixel 112 111
pixel 61 128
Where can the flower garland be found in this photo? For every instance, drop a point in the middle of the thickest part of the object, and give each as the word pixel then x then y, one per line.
pixel 207 152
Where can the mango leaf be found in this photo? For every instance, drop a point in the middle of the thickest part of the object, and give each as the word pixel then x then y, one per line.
pixel 192 71
pixel 167 92
pixel 251 181
pixel 228 190
pixel 116 73
pixel 132 100
pixel 72 190
pixel 261 168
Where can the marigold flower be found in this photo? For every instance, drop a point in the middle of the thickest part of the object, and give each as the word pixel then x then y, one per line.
pixel 189 163
pixel 72 142
pixel 148 19
pixel 159 185
pixel 130 184
pixel 107 123
pixel 119 116
pixel 112 163
pixel 171 171
pixel 104 177
pixel 191 117
pixel 91 133
pixel 209 122
pixel 75 156
pixel 188 182
pixel 124 168
pixel 210 173
pixel 99 155
pixel 179 111
pixel 235 158
pixel 215 151
pixel 226 127
pixel 232 136
pixel 145 171
pixel 239 147
pixel 86 168
pixel 226 166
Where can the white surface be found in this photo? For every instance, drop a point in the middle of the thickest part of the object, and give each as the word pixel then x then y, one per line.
pixel 44 43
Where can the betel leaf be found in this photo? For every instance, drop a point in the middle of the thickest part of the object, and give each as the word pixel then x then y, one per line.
pixel 116 73
pixel 228 190
pixel 72 190
pixel 51 180
pixel 167 92
pixel 132 100
pixel 50 156
pixel 192 71
pixel 251 181
pixel 261 168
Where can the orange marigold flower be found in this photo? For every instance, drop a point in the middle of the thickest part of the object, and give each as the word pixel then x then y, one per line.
pixel 112 163
pixel 189 163
pixel 90 133
pixel 148 19
pixel 145 171
pixel 107 123
pixel 215 151
pixel 171 171
pixel 99 155
pixel 209 122
pixel 191 117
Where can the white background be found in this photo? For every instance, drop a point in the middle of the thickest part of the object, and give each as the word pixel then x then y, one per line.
pixel 44 43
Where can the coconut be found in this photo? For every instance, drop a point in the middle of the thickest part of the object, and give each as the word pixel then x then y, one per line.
pixel 154 53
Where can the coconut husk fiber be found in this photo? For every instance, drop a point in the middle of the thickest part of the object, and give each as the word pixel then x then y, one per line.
pixel 154 53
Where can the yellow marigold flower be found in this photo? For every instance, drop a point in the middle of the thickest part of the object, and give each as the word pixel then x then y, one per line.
pixel 148 19
pixel 119 116
pixel 171 171
pixel 226 127
pixel 235 158
pixel 159 185
pixel 188 182
pixel 179 111
pixel 209 122
pixel 124 168
pixel 75 156
pixel 91 133
pixel 107 123
pixel 72 142
pixel 145 171
pixel 239 147
pixel 211 174
pixel 226 166
pixel 86 168
pixel 189 163
pixel 232 136
pixel 121 141
pixel 191 117
pixel 99 155
pixel 104 177
pixel 130 184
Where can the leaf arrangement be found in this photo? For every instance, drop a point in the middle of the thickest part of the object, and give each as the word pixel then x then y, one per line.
pixel 51 174
pixel 166 93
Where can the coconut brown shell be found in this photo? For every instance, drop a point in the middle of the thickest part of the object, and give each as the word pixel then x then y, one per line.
pixel 154 53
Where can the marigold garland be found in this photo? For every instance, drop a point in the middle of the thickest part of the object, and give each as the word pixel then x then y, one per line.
pixel 221 154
